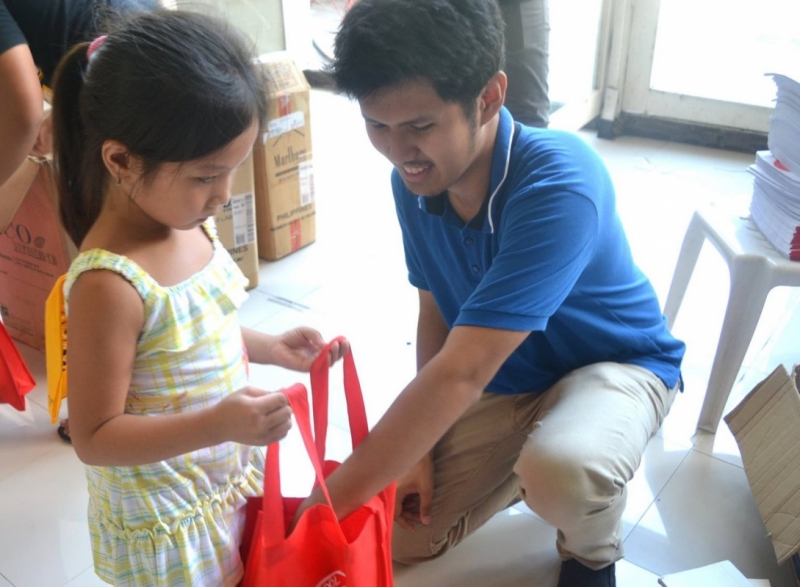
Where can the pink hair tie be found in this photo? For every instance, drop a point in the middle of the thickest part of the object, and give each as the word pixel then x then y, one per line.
pixel 95 45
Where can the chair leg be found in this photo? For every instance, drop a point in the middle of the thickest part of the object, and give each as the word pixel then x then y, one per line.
pixel 750 285
pixel 687 259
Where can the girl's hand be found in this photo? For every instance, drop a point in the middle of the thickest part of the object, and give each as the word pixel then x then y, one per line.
pixel 298 348
pixel 253 416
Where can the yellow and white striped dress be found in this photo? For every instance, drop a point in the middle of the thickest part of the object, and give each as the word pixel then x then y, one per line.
pixel 177 522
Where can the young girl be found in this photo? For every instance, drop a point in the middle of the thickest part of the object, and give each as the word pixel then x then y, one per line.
pixel 150 124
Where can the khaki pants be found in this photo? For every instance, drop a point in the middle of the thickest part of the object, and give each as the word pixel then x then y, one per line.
pixel 568 453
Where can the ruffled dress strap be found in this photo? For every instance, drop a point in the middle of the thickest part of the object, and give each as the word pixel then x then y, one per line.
pixel 99 259
pixel 177 316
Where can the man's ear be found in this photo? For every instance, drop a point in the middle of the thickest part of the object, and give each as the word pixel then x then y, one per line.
pixel 492 97
pixel 119 162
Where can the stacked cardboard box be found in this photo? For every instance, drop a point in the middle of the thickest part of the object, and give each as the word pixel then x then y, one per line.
pixel 284 176
pixel 236 223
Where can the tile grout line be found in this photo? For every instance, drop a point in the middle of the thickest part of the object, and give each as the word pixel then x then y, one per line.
pixel 655 500
pixel 716 458
pixel 29 463
pixel 81 572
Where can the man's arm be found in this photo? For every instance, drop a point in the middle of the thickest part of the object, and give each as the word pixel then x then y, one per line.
pixel 431 329
pixel 444 388
pixel 22 109
pixel 415 488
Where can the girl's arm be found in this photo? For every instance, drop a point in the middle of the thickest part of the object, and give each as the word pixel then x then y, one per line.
pixel 106 316
pixel 295 349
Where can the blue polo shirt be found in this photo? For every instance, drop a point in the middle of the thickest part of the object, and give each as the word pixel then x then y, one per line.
pixel 546 254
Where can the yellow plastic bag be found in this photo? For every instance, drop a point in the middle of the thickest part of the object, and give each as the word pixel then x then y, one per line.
pixel 55 342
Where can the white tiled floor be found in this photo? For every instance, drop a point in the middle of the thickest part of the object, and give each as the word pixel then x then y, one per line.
pixel 689 503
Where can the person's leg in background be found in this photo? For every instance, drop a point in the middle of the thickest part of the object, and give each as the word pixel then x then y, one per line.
pixel 587 441
pixel 527 52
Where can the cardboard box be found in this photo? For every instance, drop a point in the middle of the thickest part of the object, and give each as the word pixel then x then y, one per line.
pixel 766 425
pixel 236 223
pixel 284 177
pixel 34 250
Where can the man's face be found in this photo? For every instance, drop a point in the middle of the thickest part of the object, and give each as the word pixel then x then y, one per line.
pixel 428 140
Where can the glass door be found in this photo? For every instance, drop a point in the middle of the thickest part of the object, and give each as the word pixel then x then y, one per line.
pixel 703 61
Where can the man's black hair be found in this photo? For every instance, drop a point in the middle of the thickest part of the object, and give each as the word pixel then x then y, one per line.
pixel 456 45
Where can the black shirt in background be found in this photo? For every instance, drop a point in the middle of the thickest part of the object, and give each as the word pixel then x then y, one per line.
pixel 51 27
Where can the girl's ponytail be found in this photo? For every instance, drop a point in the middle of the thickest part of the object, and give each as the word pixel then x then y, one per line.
pixel 79 204
pixel 170 86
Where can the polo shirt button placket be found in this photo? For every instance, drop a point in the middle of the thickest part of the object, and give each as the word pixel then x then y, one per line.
pixel 476 269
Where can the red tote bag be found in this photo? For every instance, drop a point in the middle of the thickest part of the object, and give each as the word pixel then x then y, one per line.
pixel 321 551
pixel 15 379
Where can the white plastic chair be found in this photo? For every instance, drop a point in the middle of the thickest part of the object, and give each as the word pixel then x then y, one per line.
pixel 755 268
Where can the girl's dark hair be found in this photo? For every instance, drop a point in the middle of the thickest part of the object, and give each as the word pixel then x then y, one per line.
pixel 171 86
pixel 456 45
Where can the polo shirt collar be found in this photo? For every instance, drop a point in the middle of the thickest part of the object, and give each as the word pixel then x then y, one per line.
pixel 501 159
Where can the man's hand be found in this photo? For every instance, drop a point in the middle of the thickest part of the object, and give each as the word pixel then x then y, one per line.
pixel 414 495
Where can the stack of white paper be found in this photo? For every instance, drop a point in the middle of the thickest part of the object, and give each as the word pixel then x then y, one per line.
pixel 784 125
pixel 775 207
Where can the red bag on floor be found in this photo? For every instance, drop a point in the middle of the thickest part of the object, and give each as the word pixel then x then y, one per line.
pixel 321 551
pixel 15 379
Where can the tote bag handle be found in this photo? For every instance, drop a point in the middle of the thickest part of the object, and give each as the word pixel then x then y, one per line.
pixel 356 413
pixel 273 534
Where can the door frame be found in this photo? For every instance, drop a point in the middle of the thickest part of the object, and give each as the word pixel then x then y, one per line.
pixel 577 114
pixel 628 93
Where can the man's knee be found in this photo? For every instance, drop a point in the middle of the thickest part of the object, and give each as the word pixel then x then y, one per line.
pixel 565 483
